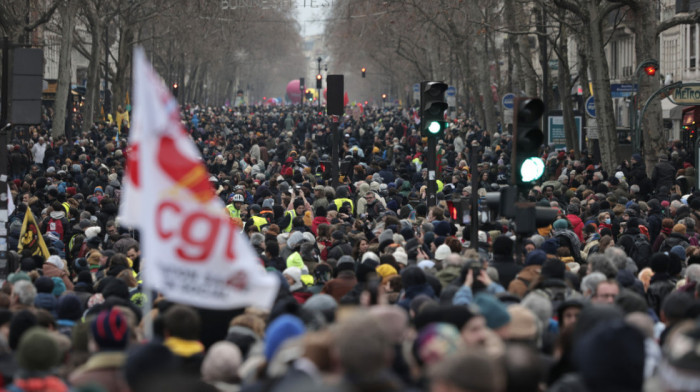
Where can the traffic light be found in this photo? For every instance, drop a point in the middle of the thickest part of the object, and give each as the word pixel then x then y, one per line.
pixel 319 82
pixel 309 95
pixel 325 168
pixel 364 71
pixel 433 106
pixel 301 84
pixel 175 89
pixel 650 70
pixel 528 166
pixel 384 97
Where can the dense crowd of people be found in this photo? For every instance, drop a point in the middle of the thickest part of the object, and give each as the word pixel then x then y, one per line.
pixel 378 292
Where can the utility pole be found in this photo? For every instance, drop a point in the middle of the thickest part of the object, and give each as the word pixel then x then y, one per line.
pixel 4 156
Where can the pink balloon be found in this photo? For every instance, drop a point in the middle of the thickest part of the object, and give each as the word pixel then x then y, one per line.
pixel 293 92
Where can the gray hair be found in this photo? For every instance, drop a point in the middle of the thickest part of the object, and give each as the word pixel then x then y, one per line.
pixel 617 256
pixel 634 188
pixel 676 204
pixel 454 259
pixel 590 282
pixel 601 263
pixel 540 305
pixel 257 239
pixel 689 223
pixel 25 292
pixel 692 273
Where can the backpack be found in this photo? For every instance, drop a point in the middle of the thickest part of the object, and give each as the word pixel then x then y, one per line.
pixel 641 251
pixel 55 226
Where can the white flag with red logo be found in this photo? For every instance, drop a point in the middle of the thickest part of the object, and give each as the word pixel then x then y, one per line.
pixel 193 252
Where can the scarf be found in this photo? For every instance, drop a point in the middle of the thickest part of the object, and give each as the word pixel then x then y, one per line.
pixel 182 347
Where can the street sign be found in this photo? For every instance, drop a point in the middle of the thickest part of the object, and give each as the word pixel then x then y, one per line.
pixel 508 100
pixel 590 106
pixel 592 129
pixel 622 90
pixel 451 94
pixel 556 137
pixel 554 64
pixel 687 94
pixel 416 92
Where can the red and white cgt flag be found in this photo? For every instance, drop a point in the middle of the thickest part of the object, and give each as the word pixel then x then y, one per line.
pixel 193 252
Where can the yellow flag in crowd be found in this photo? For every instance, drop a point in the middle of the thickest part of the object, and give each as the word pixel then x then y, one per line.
pixel 30 237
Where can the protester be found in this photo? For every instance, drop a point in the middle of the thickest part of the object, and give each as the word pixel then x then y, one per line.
pixel 377 291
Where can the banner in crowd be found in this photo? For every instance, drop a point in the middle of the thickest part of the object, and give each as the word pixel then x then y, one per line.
pixel 30 237
pixel 193 252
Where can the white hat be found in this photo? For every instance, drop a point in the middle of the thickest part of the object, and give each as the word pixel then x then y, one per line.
pixel 426 264
pixel 295 274
pixel 56 261
pixel 400 256
pixel 442 252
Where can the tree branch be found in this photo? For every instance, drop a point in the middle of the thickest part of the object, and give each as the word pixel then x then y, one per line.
pixel 45 17
pixel 690 18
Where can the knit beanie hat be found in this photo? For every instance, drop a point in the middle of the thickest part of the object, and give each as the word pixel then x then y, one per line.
pixel 400 256
pixel 323 304
pixel 221 362
pixel 597 355
pixel 553 269
pixel 660 262
pixel 536 257
pixel 69 308
pixel 386 236
pixel 436 342
pixel 560 224
pixel 442 252
pixel 385 270
pixel 281 329
pixel 58 286
pixel 44 284
pixel 110 330
pixel 550 246
pixel 493 310
pixel 503 245
pixel 37 350
pixel 17 276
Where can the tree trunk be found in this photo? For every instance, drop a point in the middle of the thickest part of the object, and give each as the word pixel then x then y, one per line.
pixel 527 74
pixel 119 85
pixel 92 97
pixel 601 86
pixel 646 46
pixel 564 80
pixel 491 123
pixel 584 81
pixel 67 12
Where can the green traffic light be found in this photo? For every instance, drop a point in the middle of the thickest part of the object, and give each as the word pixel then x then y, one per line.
pixel 532 169
pixel 434 127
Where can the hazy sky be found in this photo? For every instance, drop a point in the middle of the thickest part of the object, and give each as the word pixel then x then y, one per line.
pixel 311 15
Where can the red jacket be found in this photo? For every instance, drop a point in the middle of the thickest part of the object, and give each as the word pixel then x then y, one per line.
pixel 317 221
pixel 577 223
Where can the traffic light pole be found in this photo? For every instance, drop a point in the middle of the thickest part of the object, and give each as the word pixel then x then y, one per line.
pixel 4 156
pixel 432 171
pixel 474 228
pixel 335 147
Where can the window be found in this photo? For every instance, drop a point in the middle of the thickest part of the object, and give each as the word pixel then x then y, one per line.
pixel 692 41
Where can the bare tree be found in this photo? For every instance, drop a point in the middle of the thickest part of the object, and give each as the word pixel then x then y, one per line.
pixel 67 11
